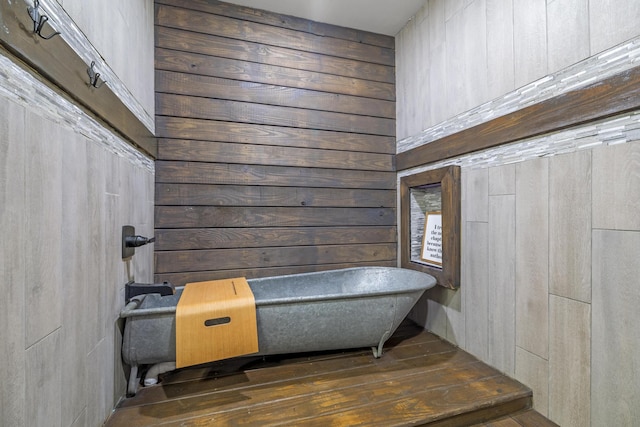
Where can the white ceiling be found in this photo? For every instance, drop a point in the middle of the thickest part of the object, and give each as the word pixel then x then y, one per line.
pixel 377 16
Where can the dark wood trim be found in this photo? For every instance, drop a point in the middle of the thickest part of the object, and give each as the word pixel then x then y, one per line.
pixel 611 96
pixel 449 179
pixel 58 63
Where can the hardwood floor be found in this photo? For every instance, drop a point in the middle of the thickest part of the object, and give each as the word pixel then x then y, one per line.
pixel 420 379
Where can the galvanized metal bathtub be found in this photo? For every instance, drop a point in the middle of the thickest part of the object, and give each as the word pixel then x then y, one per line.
pixel 328 310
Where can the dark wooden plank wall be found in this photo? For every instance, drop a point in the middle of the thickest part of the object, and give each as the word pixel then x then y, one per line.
pixel 276 144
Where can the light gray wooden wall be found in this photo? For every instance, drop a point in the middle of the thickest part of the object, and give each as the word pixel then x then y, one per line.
pixel 455 55
pixel 66 189
pixel 64 199
pixel 121 31
pixel 549 277
pixel 548 273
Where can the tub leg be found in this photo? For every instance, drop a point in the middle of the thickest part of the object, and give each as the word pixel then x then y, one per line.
pixel 377 351
pixel 159 368
pixel 132 387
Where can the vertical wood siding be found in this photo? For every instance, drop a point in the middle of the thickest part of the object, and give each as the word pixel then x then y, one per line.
pixel 276 144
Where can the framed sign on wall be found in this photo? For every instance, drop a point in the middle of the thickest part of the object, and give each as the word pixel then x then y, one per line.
pixel 431 251
pixel 430 224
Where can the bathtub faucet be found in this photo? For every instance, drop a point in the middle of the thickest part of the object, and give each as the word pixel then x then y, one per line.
pixel 137 241
pixel 130 241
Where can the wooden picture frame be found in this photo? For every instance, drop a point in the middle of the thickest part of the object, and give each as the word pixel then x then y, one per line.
pixel 448 178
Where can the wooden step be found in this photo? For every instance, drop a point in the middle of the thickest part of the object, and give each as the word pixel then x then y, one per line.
pixel 528 418
pixel 419 380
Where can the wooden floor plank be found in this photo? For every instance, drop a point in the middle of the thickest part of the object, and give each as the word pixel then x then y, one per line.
pixel 419 379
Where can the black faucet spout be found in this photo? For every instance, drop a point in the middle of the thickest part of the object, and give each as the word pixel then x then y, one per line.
pixel 137 241
pixel 130 241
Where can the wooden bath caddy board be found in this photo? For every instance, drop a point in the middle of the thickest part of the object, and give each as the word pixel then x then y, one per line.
pixel 215 320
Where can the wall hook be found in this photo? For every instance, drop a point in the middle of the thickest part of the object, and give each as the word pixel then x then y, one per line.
pixel 39 20
pixel 94 76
